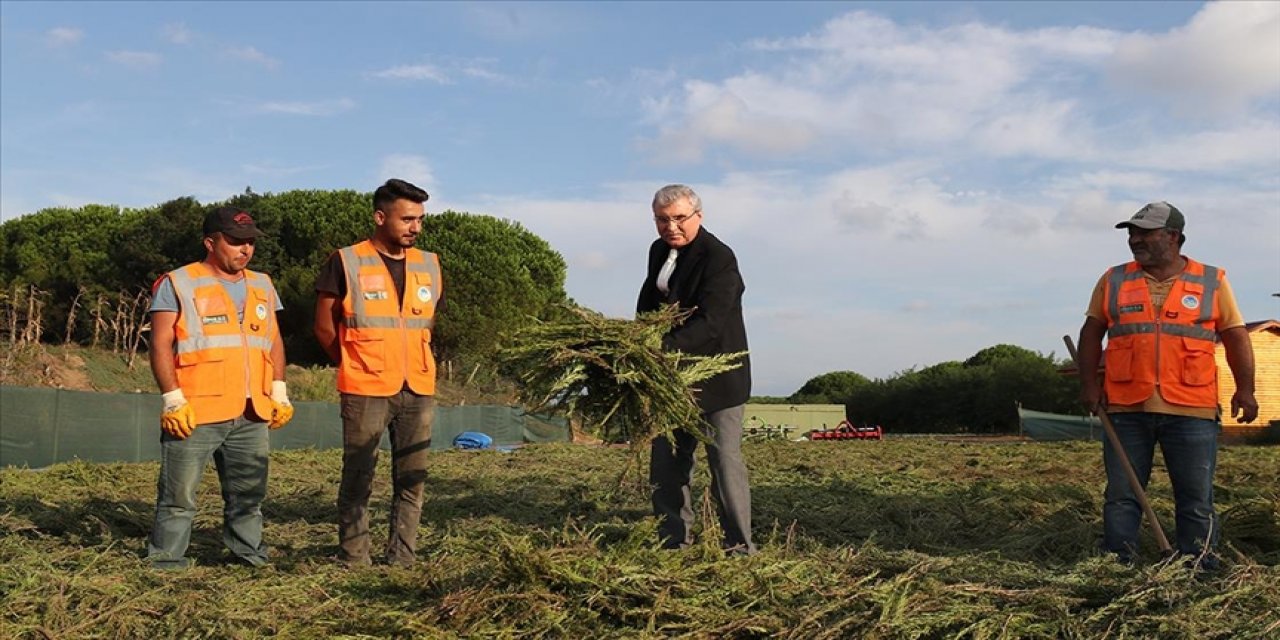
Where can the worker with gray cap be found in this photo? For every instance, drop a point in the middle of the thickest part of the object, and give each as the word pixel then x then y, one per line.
pixel 1163 314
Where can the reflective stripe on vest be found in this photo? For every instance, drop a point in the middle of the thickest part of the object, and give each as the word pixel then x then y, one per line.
pixel 352 262
pixel 385 342
pixel 1170 348
pixel 239 352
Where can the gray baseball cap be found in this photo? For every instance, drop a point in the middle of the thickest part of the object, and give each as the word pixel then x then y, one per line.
pixel 1156 215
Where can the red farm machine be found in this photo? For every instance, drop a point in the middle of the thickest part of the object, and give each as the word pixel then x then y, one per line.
pixel 847 431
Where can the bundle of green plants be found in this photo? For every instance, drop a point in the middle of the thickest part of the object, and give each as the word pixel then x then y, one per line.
pixel 610 374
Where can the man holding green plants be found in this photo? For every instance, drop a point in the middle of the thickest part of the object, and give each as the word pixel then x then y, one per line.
pixel 217 357
pixel 693 269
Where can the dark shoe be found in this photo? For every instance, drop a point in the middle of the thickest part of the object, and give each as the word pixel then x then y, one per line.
pixel 402 563
pixel 354 563
pixel 252 561
pixel 170 565
pixel 1203 566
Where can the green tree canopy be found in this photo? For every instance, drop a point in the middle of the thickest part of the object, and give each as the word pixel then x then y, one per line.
pixel 497 274
pixel 978 395
pixel 836 387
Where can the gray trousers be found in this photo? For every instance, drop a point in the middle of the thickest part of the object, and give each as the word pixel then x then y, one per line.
pixel 671 473
pixel 364 418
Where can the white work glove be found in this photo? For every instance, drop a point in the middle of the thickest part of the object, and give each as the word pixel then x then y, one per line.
pixel 281 408
pixel 178 419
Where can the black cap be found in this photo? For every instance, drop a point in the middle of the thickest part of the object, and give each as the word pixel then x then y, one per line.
pixel 231 222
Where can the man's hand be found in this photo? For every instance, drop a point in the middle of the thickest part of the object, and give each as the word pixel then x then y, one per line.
pixel 1093 399
pixel 178 419
pixel 1244 406
pixel 281 408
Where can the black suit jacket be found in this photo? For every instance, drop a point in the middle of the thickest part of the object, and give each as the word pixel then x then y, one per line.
pixel 706 279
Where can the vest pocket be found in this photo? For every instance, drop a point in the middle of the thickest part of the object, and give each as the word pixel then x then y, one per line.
pixel 368 352
pixel 1119 362
pixel 201 373
pixel 427 357
pixel 1199 367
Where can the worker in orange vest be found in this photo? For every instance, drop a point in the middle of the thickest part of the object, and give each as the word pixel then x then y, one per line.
pixel 1163 314
pixel 218 360
pixel 375 308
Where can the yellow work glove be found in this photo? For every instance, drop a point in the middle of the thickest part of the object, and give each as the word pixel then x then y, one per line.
pixel 178 419
pixel 281 408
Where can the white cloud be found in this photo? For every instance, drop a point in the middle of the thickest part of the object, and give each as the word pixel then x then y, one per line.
pixel 479 71
pixel 864 80
pixel 413 168
pixel 1253 142
pixel 1013 218
pixel 318 108
pixel 1111 179
pixel 1092 209
pixel 446 71
pixel 1226 56
pixel 135 59
pixel 252 54
pixel 176 33
pixel 63 36
pixel 414 72
pixel 721 116
pixel 1043 128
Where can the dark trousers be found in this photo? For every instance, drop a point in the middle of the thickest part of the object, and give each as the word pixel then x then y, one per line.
pixel 671 473
pixel 364 418
pixel 1190 448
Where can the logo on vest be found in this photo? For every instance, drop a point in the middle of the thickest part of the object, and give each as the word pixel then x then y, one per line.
pixel 261 310
pixel 1191 302
pixel 214 319
pixel 424 293
pixel 375 295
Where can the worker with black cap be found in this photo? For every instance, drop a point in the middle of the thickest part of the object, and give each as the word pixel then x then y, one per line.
pixel 217 357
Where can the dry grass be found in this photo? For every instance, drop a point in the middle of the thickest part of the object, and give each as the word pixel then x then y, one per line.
pixel 893 539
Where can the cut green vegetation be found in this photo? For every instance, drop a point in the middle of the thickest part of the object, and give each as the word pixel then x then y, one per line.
pixel 904 538
pixel 612 375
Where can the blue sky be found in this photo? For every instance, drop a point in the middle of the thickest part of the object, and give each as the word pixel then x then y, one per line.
pixel 904 183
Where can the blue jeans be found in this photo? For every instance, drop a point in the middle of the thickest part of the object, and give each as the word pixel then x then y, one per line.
pixel 239 449
pixel 1190 449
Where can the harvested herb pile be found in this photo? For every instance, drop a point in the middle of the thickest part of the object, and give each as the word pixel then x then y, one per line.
pixel 612 374
pixel 904 539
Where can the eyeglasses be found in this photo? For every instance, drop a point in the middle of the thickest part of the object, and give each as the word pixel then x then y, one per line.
pixel 678 220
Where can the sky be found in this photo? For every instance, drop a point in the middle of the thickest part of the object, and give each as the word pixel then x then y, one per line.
pixel 903 183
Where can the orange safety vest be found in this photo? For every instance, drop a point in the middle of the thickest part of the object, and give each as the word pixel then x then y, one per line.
pixel 385 343
pixel 220 362
pixel 1171 347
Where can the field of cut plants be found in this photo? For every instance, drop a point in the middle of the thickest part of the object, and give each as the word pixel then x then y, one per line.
pixel 905 538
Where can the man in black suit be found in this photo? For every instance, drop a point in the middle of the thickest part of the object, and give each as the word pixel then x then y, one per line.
pixel 691 267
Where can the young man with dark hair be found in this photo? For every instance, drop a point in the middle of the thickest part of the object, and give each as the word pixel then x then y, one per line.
pixel 375 309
